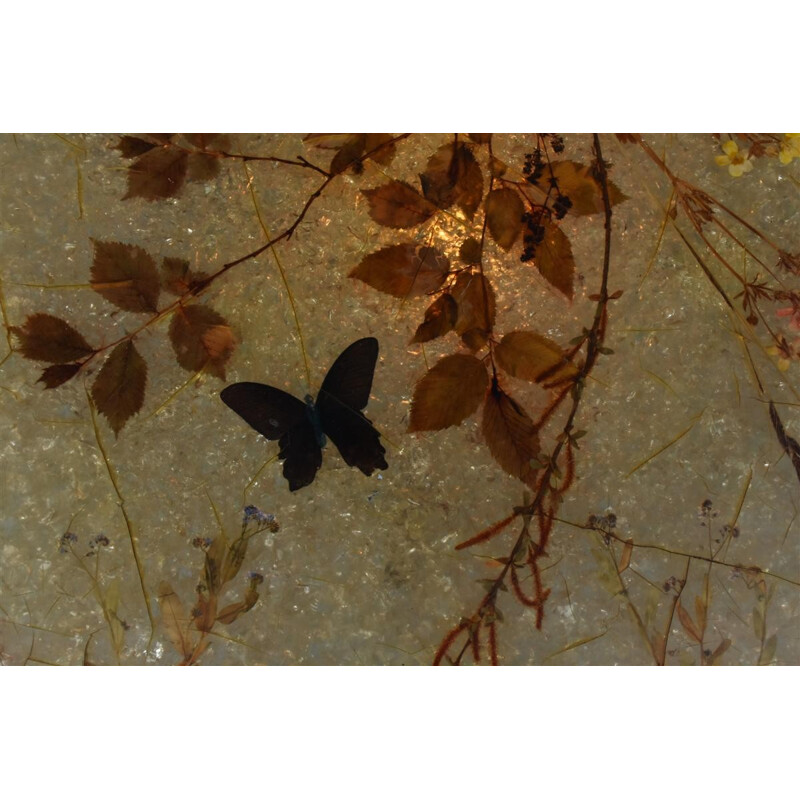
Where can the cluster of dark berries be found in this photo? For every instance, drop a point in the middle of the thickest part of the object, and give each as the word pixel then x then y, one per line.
pixel 673 584
pixel 67 539
pixel 534 166
pixel 533 236
pixel 561 205
pixel 557 142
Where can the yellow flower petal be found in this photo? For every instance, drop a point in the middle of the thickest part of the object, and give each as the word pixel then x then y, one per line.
pixel 786 156
pixel 736 170
pixel 730 147
pixel 783 364
pixel 747 165
pixel 723 161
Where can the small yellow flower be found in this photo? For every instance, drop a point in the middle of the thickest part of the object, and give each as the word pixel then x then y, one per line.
pixel 736 162
pixel 790 148
pixel 783 362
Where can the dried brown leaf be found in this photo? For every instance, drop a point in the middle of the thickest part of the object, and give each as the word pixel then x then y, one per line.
pixel 349 153
pixel 476 304
pixel 380 148
pixel 453 176
pixel 212 568
pixel 715 657
pixel 110 603
pixel 470 251
pixel 177 276
pixel 353 147
pixel 231 612
pixel 688 624
pixel 234 558
pixel 133 146
pixel 125 275
pixel 700 613
pixel 475 338
pixel 768 653
pixel 510 434
pixel 660 647
pixel 497 167
pixel 202 167
pixel 627 552
pixel 46 338
pixel 576 182
pixel 480 138
pixel 157 174
pixel 758 623
pixel 58 374
pixel 440 318
pixel 403 270
pixel 235 610
pixel 327 141
pixel 790 445
pixel 118 391
pixel 204 614
pixel 397 205
pixel 554 259
pixel 532 357
pixel 448 393
pixel 174 619
pixel 208 141
pixel 202 339
pixel 504 209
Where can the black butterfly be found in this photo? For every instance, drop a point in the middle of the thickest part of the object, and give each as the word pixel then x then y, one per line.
pixel 302 427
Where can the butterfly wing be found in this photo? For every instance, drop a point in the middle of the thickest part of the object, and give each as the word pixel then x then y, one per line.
pixel 344 393
pixel 349 380
pixel 275 414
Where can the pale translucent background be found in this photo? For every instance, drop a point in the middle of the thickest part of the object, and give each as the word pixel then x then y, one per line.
pixel 363 570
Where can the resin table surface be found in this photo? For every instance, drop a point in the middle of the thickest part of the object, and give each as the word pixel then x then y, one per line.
pixel 586 389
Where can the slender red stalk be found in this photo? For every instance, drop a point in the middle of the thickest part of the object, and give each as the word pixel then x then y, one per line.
pixel 488 533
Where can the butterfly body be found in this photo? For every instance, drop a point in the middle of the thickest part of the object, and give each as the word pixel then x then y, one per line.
pixel 302 428
pixel 314 419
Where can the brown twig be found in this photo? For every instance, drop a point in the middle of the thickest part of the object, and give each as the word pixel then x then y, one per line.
pixel 523 546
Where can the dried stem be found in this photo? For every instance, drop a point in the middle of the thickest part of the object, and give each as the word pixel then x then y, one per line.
pixel 523 546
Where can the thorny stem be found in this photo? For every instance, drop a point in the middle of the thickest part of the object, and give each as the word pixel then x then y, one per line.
pixel 595 342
